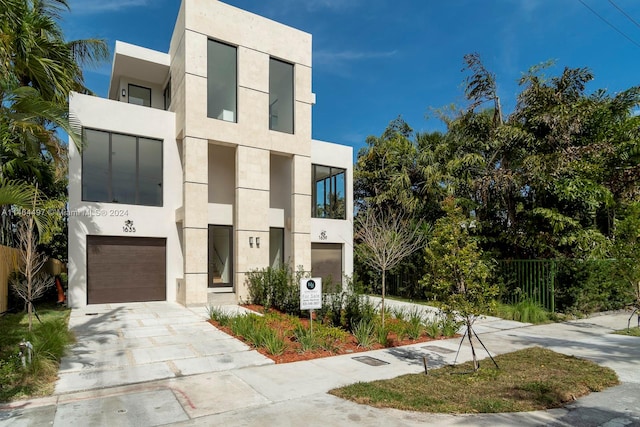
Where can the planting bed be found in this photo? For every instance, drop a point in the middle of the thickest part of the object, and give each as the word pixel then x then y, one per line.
pixel 335 341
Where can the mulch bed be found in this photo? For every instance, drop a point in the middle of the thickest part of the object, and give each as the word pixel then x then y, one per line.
pixel 293 353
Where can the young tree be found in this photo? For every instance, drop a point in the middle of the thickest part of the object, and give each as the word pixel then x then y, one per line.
pixel 31 282
pixel 456 272
pixel 384 238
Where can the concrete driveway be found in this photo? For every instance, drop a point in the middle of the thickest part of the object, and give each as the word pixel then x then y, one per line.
pixel 123 344
pixel 240 388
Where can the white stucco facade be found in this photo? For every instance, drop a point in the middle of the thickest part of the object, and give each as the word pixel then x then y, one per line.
pixel 233 187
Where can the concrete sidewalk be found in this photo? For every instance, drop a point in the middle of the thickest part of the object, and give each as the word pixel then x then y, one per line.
pixel 296 393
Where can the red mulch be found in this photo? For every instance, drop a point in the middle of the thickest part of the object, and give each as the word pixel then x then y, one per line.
pixel 293 352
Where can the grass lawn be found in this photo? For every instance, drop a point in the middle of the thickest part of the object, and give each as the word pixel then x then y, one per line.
pixel 529 379
pixel 632 332
pixel 49 340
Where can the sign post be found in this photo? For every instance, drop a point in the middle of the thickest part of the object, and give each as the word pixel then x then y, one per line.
pixel 311 296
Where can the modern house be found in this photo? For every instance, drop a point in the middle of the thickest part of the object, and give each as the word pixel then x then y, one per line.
pixel 200 167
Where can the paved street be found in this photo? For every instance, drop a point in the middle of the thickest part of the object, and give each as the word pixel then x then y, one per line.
pixel 157 364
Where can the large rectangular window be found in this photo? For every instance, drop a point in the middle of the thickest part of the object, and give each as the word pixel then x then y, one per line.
pixel 329 192
pixel 280 96
pixel 139 95
pixel 221 81
pixel 119 168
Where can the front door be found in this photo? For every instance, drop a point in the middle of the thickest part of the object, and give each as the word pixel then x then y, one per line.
pixel 220 256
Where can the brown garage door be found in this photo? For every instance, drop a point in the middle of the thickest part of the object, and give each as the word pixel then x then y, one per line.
pixel 125 269
pixel 326 262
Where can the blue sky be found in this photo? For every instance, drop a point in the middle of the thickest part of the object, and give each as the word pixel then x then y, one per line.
pixel 376 59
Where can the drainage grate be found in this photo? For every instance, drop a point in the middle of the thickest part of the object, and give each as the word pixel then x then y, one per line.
pixel 438 349
pixel 372 361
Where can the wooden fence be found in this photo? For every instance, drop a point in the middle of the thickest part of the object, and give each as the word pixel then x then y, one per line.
pixel 9 258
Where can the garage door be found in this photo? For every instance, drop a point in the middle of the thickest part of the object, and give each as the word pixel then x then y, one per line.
pixel 326 262
pixel 125 269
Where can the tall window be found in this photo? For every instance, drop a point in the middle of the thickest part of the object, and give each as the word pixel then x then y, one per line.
pixel 280 96
pixel 221 81
pixel 119 168
pixel 329 195
pixel 276 247
pixel 139 95
pixel 167 95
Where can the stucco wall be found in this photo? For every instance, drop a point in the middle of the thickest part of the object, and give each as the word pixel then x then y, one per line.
pixel 89 218
pixel 335 230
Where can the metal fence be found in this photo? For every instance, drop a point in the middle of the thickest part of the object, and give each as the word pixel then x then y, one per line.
pixel 530 279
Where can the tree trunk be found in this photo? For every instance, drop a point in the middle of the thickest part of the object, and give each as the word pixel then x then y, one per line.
pixel 476 365
pixel 383 292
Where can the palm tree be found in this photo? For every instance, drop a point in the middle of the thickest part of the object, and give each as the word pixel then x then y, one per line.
pixel 38 69
pixel 34 52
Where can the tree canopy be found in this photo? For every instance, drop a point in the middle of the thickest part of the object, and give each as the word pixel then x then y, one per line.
pixel 38 69
pixel 546 180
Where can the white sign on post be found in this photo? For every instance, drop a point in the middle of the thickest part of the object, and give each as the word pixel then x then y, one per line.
pixel 310 293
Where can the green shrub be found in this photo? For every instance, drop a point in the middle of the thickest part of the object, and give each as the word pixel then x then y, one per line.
pixel 524 311
pixel 306 338
pixel 433 327
pixel 398 313
pixel 357 307
pixel 382 333
pixel 331 311
pixel 273 341
pixel 276 288
pixel 363 331
pixel 414 325
pixel 584 287
pixel 219 315
pixel 245 326
pixel 449 325
pixel 330 338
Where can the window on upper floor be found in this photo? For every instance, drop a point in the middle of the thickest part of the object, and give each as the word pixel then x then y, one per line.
pixel 167 95
pixel 118 168
pixel 280 96
pixel 221 81
pixel 329 192
pixel 139 95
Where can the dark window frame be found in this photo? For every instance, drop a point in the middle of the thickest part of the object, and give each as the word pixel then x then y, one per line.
pixel 327 194
pixel 110 169
pixel 139 87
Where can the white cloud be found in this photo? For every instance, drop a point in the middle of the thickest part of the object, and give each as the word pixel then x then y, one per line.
pixel 327 57
pixel 340 62
pixel 98 6
pixel 333 5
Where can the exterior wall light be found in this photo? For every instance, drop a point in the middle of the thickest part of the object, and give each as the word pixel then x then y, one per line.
pixel 250 242
pixel 257 242
pixel 124 93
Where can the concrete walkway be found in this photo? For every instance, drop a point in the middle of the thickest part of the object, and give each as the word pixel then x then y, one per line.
pixel 122 344
pixel 262 394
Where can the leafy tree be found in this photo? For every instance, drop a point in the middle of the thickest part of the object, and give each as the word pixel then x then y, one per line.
pixel 626 251
pixel 457 275
pixel 38 69
pixel 546 180
pixel 383 239
pixel 35 53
